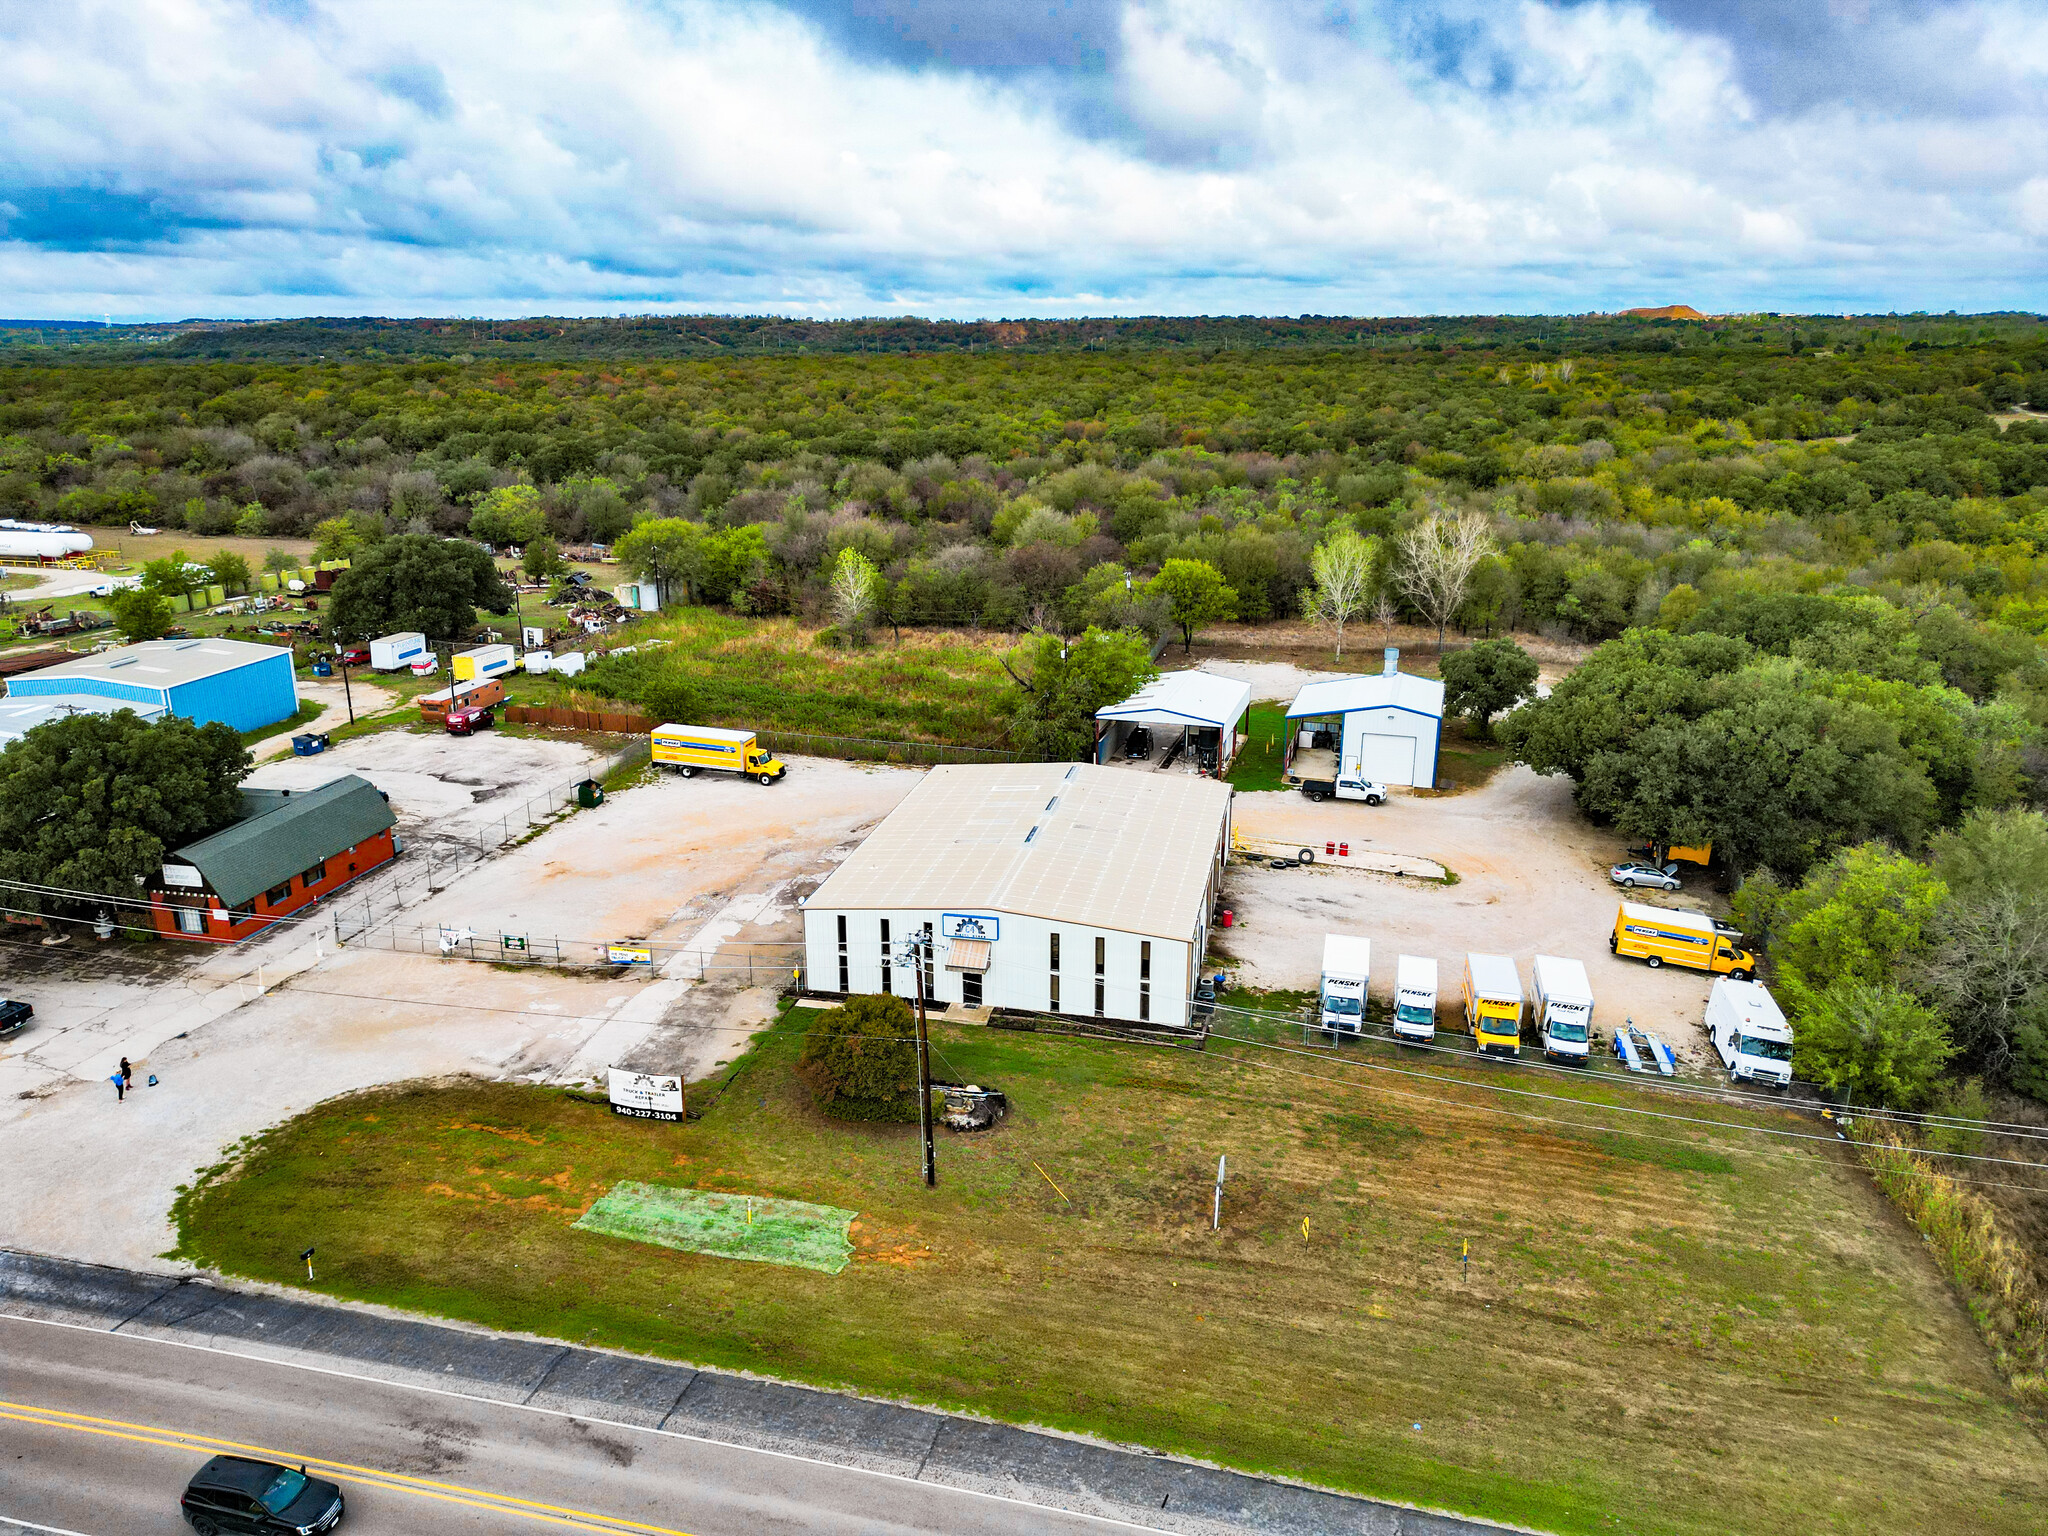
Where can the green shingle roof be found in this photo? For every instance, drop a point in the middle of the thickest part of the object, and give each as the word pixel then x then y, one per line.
pixel 285 834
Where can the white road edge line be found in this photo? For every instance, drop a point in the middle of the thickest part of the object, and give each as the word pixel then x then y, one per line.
pixel 585 1418
pixel 30 1525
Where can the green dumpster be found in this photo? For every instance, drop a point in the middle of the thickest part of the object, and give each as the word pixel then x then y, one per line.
pixel 589 793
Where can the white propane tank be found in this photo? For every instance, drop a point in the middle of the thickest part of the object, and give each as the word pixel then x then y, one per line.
pixel 41 541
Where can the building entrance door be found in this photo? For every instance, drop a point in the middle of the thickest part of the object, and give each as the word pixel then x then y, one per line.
pixel 970 989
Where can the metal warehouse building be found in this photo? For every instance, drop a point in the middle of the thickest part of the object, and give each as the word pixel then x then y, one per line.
pixel 233 681
pixel 1050 887
pixel 1387 727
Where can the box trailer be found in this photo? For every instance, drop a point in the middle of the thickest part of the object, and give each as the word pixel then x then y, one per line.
pixel 1693 939
pixel 1749 1032
pixel 1415 999
pixel 1347 972
pixel 687 748
pixel 1564 1009
pixel 392 652
pixel 436 705
pixel 1493 1004
pixel 484 661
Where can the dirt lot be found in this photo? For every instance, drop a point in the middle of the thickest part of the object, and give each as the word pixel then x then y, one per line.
pixel 1532 880
pixel 716 864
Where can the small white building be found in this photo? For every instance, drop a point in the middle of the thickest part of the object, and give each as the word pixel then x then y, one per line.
pixel 1202 711
pixel 1387 727
pixel 1048 887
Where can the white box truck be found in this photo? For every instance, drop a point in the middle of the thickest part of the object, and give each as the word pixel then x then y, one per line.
pixel 1347 970
pixel 395 651
pixel 1415 999
pixel 1749 1032
pixel 1564 1009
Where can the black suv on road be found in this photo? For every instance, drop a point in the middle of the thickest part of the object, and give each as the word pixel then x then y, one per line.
pixel 14 1017
pixel 233 1493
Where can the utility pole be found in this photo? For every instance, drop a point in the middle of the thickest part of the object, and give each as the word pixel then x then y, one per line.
pixel 918 947
pixel 346 692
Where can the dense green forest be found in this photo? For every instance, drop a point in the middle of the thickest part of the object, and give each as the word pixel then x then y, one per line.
pixel 1814 551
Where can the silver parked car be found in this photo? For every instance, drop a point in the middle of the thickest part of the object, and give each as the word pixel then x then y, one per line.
pixel 1630 876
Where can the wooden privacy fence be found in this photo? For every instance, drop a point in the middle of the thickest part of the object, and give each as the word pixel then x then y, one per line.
pixel 624 722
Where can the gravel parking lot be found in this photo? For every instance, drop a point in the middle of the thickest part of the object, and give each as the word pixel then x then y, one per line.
pixel 1532 880
pixel 709 862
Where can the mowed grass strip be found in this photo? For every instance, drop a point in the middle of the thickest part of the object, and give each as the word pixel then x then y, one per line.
pixel 1661 1330
pixel 751 1227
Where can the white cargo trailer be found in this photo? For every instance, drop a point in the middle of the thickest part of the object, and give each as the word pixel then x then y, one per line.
pixel 391 652
pixel 1347 971
pixel 1749 1032
pixel 1564 1008
pixel 1415 999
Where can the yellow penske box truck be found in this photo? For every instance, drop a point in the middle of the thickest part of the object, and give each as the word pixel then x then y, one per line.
pixel 1493 1004
pixel 688 748
pixel 1656 935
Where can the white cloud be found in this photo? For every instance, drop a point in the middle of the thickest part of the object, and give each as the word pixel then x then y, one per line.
pixel 167 157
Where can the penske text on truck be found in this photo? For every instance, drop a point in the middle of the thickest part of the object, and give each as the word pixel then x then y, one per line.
pixel 1415 999
pixel 687 748
pixel 1493 1004
pixel 1564 1008
pixel 1347 970
pixel 1656 935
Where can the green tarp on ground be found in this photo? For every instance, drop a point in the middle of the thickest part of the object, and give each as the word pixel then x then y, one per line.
pixel 726 1226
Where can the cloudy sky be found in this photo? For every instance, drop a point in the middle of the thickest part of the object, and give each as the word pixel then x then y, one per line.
pixel 169 158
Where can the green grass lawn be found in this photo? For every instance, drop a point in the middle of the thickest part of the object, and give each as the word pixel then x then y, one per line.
pixel 1258 764
pixel 1466 759
pixel 1660 1332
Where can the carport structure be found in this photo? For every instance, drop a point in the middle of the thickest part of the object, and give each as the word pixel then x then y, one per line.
pixel 1196 720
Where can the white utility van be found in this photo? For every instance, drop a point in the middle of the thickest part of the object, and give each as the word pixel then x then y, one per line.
pixel 1750 1032
pixel 388 653
pixel 1415 999
pixel 1347 969
pixel 1564 1008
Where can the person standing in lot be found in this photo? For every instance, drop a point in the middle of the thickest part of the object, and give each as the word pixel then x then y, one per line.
pixel 127 1079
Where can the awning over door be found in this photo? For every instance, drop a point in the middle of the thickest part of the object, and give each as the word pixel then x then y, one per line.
pixel 968 955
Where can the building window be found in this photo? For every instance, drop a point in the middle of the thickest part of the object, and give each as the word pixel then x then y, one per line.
pixel 278 895
pixel 1055 952
pixel 1098 997
pixel 1145 961
pixel 842 957
pixel 1101 953
pixel 191 920
pixel 1055 991
pixel 1144 1001
pixel 314 876
pixel 888 970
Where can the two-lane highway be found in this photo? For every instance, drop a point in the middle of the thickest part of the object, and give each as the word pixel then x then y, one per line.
pixel 99 1433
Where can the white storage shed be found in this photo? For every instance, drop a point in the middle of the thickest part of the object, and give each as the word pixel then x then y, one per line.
pixel 388 653
pixel 1203 712
pixel 1387 727
pixel 1047 887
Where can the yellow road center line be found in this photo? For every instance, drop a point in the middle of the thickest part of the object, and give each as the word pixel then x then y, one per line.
pixel 397 1482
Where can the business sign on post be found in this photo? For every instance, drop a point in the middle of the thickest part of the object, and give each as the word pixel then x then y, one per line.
pixel 644 1097
pixel 962 925
pixel 628 954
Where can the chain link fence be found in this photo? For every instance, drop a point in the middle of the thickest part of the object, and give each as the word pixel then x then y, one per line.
pixel 753 962
pixel 860 749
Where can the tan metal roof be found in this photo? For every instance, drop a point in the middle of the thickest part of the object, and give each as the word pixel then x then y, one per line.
pixel 1070 842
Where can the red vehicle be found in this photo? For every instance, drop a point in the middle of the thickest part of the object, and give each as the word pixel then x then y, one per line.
pixel 355 656
pixel 467 722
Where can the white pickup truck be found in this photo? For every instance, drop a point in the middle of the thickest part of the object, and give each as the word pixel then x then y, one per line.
pixel 1345 787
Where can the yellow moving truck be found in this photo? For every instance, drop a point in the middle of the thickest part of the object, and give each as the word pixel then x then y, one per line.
pixel 1493 1004
pixel 686 748
pixel 1658 934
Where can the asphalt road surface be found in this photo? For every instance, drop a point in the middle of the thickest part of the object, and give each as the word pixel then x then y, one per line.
pixel 99 1433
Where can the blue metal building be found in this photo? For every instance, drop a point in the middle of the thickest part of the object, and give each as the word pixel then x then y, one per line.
pixel 238 683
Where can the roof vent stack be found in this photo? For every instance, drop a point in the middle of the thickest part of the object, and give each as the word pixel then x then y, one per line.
pixel 1393 660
